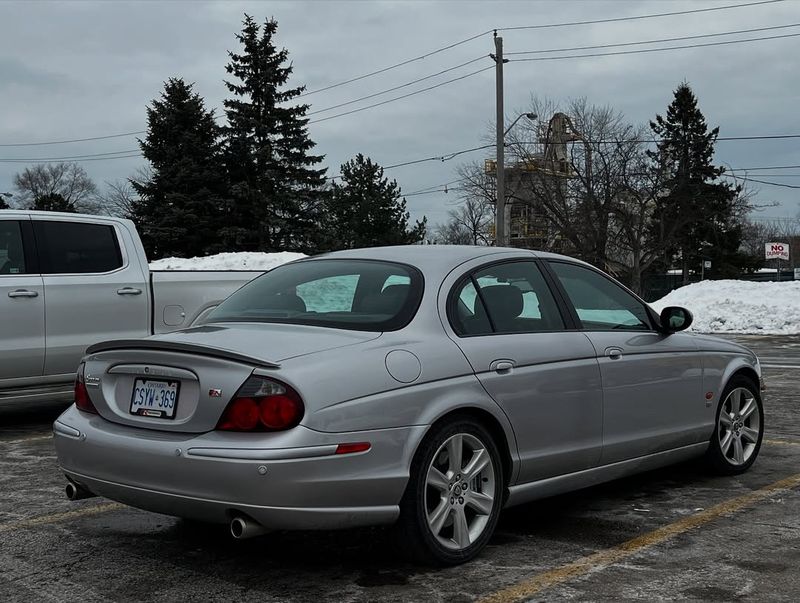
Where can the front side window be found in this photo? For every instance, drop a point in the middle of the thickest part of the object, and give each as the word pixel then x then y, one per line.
pixel 76 248
pixel 347 294
pixel 511 297
pixel 12 257
pixel 601 304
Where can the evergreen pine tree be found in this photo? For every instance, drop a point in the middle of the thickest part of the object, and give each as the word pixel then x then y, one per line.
pixel 276 192
pixel 53 202
pixel 696 205
pixel 365 209
pixel 179 209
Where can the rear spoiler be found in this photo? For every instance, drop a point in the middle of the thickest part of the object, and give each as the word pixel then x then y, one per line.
pixel 174 346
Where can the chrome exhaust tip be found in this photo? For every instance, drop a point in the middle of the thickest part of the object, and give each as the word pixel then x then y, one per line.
pixel 242 528
pixel 76 492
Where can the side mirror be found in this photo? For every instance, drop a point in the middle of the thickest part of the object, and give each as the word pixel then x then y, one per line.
pixel 675 318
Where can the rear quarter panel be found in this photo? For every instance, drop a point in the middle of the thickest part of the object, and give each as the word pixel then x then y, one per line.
pixel 350 389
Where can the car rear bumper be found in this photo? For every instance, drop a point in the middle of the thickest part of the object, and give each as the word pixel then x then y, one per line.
pixel 216 476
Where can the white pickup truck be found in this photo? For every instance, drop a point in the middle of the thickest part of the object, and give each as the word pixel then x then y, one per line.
pixel 68 281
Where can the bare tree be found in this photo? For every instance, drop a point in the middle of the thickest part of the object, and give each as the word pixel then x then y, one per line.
pixel 583 172
pixel 451 232
pixel 118 198
pixel 756 232
pixel 468 224
pixel 67 181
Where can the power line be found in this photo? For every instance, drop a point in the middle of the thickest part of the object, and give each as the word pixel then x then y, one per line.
pixel 542 26
pixel 442 158
pixel 743 178
pixel 639 17
pixel 623 52
pixel 442 49
pixel 768 167
pixel 36 144
pixel 645 50
pixel 400 64
pixel 108 155
pixel 772 218
pixel 436 188
pixel 422 79
pixel 397 98
pixel 718 139
pixel 657 41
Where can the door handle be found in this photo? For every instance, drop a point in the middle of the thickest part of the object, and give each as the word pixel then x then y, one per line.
pixel 129 291
pixel 23 293
pixel 502 366
pixel 614 353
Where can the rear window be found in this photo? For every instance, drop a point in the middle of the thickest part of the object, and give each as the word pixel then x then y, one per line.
pixel 362 295
pixel 76 248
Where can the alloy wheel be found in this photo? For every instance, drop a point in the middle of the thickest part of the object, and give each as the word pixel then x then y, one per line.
pixel 460 491
pixel 739 426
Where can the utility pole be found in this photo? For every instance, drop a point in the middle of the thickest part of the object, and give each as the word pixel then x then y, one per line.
pixel 500 230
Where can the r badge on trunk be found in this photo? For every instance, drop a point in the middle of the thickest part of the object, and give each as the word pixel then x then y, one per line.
pixel 215 393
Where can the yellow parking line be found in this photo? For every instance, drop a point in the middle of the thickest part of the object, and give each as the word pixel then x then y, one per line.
pixel 602 559
pixel 49 436
pixel 776 442
pixel 57 517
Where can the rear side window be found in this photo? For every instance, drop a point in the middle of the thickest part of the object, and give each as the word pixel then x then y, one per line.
pixel 75 248
pixel 12 256
pixel 512 297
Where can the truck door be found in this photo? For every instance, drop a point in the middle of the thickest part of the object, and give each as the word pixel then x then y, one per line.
pixel 21 304
pixel 95 288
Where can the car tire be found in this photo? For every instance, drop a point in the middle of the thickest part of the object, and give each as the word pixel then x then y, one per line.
pixel 441 522
pixel 738 428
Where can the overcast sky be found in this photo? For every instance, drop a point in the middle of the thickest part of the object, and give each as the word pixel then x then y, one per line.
pixel 83 69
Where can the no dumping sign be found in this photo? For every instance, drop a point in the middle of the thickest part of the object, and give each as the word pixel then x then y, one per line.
pixel 776 251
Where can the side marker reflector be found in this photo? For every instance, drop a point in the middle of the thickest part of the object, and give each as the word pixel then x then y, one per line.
pixel 351 448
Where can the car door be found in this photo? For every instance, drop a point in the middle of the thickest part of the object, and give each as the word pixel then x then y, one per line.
pixel 545 378
pixel 652 382
pixel 21 304
pixel 94 291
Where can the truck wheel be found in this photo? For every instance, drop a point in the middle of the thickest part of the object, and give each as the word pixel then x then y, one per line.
pixel 739 428
pixel 453 500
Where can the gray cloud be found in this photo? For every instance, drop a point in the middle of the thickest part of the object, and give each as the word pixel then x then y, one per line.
pixel 74 69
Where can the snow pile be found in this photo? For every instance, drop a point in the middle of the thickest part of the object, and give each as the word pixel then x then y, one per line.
pixel 728 306
pixel 244 260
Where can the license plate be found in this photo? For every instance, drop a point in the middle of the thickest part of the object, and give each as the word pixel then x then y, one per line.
pixel 155 398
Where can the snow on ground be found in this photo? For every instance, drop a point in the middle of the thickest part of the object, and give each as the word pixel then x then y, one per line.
pixel 244 260
pixel 728 306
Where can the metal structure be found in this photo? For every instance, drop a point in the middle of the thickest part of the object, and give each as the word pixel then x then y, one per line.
pixel 524 222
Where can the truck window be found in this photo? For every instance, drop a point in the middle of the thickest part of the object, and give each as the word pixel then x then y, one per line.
pixel 76 248
pixel 12 258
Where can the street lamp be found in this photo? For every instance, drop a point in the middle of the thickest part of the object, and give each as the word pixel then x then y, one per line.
pixel 530 116
pixel 502 218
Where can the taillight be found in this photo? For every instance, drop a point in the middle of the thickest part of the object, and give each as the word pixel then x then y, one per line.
pixel 262 404
pixel 82 400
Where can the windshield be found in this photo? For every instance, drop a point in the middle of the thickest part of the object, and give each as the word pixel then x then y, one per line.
pixel 348 294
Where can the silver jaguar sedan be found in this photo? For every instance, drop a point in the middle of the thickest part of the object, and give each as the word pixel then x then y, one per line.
pixel 424 386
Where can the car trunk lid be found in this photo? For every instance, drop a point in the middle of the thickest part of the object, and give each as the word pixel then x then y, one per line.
pixel 129 381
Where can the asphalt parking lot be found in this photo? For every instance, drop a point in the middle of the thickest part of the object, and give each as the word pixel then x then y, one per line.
pixel 675 533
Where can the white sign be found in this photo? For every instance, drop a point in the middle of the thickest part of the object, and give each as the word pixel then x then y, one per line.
pixel 776 251
pixel 707 264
